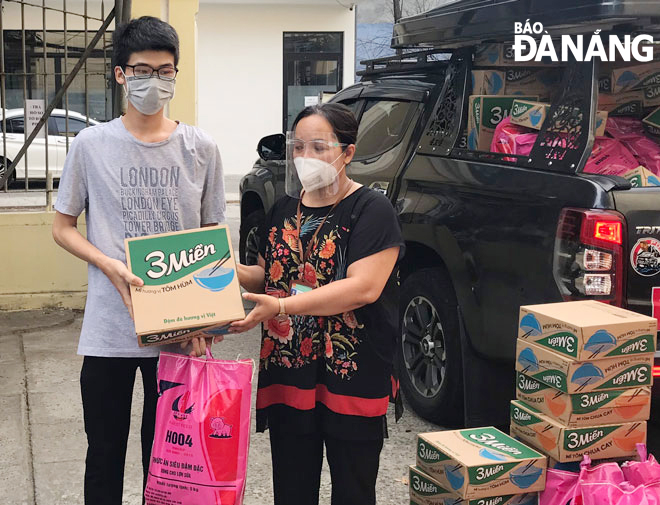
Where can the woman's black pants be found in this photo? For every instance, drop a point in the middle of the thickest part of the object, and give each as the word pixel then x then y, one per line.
pixel 297 461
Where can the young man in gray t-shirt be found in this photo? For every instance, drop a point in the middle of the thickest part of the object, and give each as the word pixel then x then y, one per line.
pixel 136 175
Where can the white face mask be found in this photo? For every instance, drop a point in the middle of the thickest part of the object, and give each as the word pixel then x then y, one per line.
pixel 315 174
pixel 150 95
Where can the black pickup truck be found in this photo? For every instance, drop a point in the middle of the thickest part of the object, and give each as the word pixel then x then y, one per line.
pixel 485 233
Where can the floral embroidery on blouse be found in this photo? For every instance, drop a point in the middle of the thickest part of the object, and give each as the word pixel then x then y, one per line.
pixel 299 340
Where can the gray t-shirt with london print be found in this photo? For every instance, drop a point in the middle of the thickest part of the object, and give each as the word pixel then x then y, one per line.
pixel 130 188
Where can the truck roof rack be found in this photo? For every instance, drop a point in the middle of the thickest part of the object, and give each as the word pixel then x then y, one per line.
pixel 468 22
pixel 405 61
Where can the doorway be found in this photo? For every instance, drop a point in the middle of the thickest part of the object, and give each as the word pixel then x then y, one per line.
pixel 313 63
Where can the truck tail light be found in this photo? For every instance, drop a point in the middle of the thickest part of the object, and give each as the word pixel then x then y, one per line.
pixel 589 255
pixel 608 231
pixel 592 260
pixel 656 371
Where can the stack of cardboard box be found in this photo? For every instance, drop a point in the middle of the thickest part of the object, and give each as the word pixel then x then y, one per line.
pixel 624 89
pixel 584 376
pixel 628 90
pixel 494 89
pixel 533 114
pixel 520 77
pixel 633 92
pixel 485 112
pixel 474 467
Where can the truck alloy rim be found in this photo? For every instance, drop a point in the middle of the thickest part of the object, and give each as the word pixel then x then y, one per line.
pixel 252 246
pixel 423 346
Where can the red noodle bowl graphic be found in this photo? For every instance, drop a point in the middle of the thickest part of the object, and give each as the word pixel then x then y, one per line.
pixel 627 407
pixel 629 440
pixel 556 404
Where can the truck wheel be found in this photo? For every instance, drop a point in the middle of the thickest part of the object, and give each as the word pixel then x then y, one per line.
pixel 429 354
pixel 249 237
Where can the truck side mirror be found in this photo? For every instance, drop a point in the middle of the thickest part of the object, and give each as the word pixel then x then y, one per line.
pixel 272 147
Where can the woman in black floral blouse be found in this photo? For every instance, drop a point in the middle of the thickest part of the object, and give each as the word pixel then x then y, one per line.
pixel 329 317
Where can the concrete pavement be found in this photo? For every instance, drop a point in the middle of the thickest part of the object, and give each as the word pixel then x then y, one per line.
pixel 42 440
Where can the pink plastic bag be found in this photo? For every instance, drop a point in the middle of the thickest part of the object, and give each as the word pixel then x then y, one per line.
pixel 623 494
pixel 609 156
pixel 630 132
pixel 605 472
pixel 564 488
pixel 512 139
pixel 644 471
pixel 560 487
pixel 609 473
pixel 202 431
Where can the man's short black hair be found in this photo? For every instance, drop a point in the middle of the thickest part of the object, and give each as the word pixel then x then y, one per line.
pixel 143 34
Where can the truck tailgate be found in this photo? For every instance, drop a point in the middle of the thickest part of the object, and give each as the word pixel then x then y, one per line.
pixel 641 208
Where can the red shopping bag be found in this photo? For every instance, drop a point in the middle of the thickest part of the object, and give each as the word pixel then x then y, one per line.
pixel 202 434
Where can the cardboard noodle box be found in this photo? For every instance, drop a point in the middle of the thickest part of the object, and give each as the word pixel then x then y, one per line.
pixel 523 81
pixel 571 376
pixel 533 115
pixel 652 96
pixel 571 444
pixel 424 490
pixel 652 131
pixel 587 329
pixel 641 177
pixel 652 122
pixel 585 409
pixel 630 103
pixel 601 123
pixel 487 82
pixel 605 82
pixel 502 55
pixel 484 114
pixel 605 73
pixel 190 285
pixel 480 462
pixel 529 114
pixel 635 77
pixel 463 140
pixel 574 466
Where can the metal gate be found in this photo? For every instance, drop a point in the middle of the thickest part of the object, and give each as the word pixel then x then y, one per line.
pixel 55 79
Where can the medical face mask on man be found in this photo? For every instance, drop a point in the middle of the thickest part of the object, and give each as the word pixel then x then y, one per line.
pixel 150 95
pixel 316 174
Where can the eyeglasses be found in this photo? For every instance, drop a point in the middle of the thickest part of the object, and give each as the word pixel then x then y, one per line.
pixel 145 72
pixel 318 146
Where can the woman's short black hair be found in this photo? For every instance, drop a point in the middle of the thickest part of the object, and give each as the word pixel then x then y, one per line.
pixel 340 117
pixel 143 34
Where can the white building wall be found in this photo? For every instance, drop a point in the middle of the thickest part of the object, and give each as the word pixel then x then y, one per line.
pixel 240 69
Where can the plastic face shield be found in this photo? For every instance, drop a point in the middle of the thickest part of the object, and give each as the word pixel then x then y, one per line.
pixel 312 164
